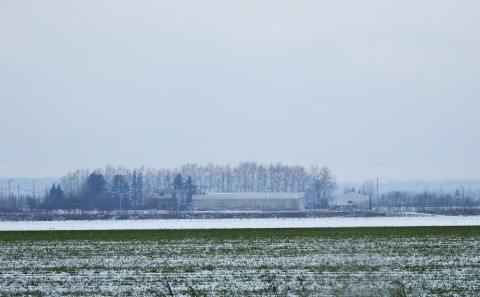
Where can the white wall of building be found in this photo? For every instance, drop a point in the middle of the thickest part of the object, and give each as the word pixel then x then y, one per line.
pixel 352 199
pixel 249 201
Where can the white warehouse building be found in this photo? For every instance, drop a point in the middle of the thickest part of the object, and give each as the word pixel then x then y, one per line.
pixel 249 201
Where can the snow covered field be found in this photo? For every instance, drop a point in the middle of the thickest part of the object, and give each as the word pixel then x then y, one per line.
pixel 403 221
pixel 303 262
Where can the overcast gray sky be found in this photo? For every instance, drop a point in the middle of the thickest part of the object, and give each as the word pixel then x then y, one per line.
pixel 386 89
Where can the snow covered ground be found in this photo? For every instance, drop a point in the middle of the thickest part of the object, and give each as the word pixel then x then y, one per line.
pixel 403 221
pixel 248 263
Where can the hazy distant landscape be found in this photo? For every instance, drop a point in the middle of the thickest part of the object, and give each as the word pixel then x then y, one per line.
pixel 239 148
pixel 187 192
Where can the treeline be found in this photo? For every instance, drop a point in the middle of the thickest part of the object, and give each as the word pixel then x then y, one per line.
pixel 400 200
pixel 121 188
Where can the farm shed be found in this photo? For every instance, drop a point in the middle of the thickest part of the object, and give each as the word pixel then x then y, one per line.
pixel 249 201
pixel 352 199
pixel 168 199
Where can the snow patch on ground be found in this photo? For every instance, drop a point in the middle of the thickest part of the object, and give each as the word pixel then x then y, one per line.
pixel 403 221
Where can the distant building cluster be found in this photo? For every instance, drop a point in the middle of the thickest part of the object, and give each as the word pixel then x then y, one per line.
pixel 178 199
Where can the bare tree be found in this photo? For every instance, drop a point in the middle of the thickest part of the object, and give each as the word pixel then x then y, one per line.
pixel 369 188
pixel 323 185
pixel 74 182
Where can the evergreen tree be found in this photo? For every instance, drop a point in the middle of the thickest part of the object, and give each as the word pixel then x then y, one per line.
pixel 178 182
pixel 56 198
pixel 96 185
pixel 134 188
pixel 137 188
pixel 191 189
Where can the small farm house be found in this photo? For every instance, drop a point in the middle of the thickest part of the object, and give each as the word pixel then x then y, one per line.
pixel 352 199
pixel 168 199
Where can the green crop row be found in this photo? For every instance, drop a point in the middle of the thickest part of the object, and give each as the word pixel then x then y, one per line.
pixel 396 232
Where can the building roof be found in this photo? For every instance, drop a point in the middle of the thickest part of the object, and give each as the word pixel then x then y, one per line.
pixel 353 195
pixel 246 196
pixel 170 191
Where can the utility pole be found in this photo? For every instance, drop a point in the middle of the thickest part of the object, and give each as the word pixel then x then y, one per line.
pixel 178 208
pixel 119 196
pixel 377 193
pixel 265 204
pixel 369 199
pixel 9 192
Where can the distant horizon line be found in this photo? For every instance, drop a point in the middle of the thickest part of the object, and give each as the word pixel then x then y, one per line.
pixel 419 180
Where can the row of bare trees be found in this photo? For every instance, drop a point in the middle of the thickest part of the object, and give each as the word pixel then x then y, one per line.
pixel 123 188
pixel 317 182
pixel 400 200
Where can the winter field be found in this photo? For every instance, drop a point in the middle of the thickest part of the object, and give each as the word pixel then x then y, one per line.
pixel 360 261
pixel 405 220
